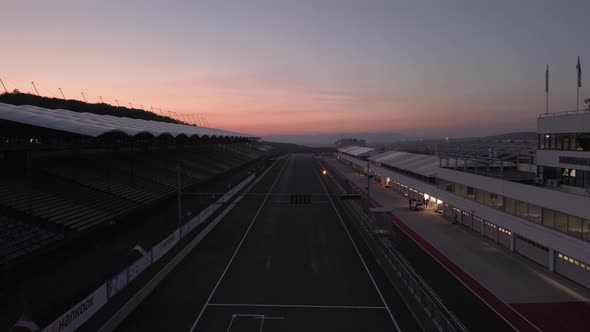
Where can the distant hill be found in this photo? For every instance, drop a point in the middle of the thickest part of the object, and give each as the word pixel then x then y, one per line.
pixel 518 136
pixel 17 98
pixel 295 148
pixel 328 139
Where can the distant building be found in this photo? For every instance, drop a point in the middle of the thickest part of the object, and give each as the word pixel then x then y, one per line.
pixel 563 153
pixel 543 216
pixel 349 141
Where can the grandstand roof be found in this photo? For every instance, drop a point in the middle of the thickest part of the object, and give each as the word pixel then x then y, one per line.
pixel 94 125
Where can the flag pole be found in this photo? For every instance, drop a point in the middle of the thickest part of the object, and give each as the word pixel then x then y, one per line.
pixel 579 84
pixel 547 90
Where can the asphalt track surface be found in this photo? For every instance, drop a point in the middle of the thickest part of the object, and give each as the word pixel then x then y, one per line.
pixel 276 265
pixel 471 310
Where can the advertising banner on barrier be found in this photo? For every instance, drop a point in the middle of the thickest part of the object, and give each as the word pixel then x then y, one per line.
pixel 120 281
pixel 116 283
pixel 79 313
pixel 163 247
pixel 205 214
pixel 189 226
pixel 135 268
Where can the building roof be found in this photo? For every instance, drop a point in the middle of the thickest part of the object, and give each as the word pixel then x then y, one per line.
pixel 355 150
pixel 94 125
pixel 361 150
pixel 425 165
pixel 347 148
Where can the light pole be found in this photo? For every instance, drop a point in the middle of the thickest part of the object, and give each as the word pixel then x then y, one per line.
pixel 4 86
pixel 179 196
pixel 368 184
pixel 33 83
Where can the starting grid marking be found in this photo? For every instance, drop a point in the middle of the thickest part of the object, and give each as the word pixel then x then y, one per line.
pixel 264 317
pixel 260 317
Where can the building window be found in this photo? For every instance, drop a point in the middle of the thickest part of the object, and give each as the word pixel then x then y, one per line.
pixel 534 214
pixel 547 141
pixel 561 222
pixel 574 261
pixel 461 190
pixel 510 206
pixel 480 195
pixel 586 230
pixel 499 202
pixel 574 226
pixel 471 193
pixel 548 217
pixel 522 209
pixel 583 142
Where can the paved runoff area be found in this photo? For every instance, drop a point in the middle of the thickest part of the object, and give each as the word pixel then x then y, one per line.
pixel 281 260
pixel 512 285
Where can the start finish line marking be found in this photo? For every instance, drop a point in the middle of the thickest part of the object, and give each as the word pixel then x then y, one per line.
pixel 311 306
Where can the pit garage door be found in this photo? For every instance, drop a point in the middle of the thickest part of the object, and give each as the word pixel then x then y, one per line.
pixel 467 219
pixel 504 237
pixel 490 230
pixel 448 210
pixel 573 269
pixel 477 224
pixel 532 250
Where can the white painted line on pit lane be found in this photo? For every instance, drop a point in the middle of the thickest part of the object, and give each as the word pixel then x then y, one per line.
pixel 358 252
pixel 310 306
pixel 237 249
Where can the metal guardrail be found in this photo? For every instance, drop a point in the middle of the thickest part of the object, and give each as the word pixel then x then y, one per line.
pixel 422 301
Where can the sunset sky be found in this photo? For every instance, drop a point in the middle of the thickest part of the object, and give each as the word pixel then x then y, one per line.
pixel 421 68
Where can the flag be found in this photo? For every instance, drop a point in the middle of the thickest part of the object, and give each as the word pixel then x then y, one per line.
pixel 547 80
pixel 579 68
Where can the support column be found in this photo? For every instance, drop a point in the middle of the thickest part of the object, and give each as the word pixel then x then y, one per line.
pixel 482 226
pixel 551 260
pixel 512 241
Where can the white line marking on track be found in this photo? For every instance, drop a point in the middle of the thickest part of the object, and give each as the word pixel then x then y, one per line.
pixel 237 249
pixel 311 306
pixel 357 251
pixel 456 276
pixel 136 300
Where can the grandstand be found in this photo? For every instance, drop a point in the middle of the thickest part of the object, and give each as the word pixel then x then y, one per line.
pixel 65 174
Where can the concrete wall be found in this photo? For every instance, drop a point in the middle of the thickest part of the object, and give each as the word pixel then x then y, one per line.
pixel 573 123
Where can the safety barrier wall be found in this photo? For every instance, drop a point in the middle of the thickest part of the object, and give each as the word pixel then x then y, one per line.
pixel 424 303
pixel 81 312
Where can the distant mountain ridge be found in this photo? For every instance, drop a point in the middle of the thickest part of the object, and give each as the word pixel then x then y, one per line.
pixel 517 136
pixel 328 139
